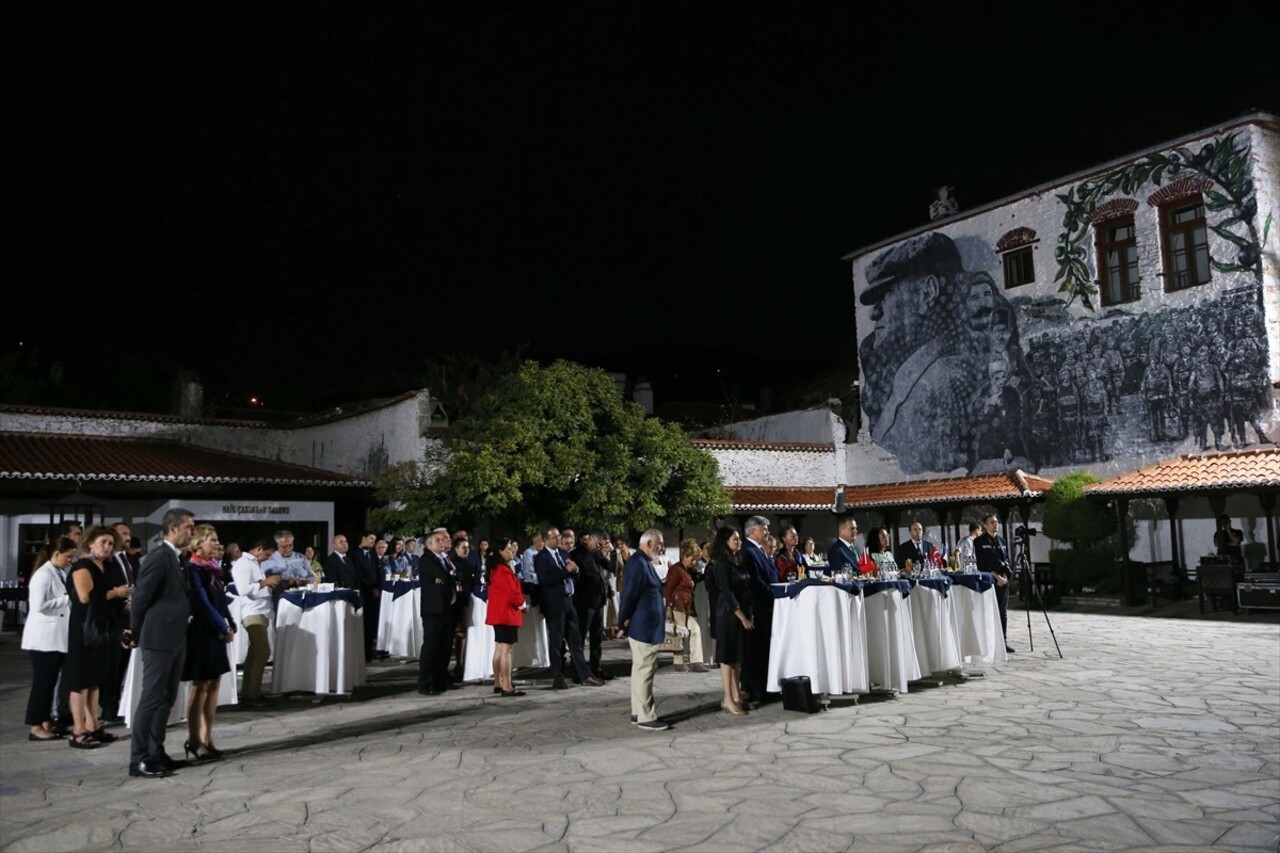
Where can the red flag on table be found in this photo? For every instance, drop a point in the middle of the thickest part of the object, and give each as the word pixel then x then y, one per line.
pixel 935 556
pixel 866 565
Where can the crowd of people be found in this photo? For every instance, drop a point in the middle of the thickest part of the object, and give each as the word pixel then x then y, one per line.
pixel 93 603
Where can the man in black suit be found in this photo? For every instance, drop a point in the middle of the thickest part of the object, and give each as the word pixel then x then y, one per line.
pixel 469 576
pixel 763 572
pixel 556 574
pixel 589 598
pixel 441 588
pixel 159 613
pixel 120 571
pixel 369 580
pixel 916 549
pixel 340 569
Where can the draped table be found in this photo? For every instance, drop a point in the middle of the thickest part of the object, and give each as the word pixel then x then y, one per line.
pixel 892 662
pixel 819 630
pixel 400 619
pixel 131 691
pixel 977 618
pixel 934 625
pixel 531 650
pixel 319 642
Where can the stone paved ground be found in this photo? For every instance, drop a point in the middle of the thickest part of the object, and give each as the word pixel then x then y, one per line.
pixel 1151 734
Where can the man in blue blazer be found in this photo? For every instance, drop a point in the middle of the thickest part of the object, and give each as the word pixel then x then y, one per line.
pixel 159 613
pixel 763 572
pixel 643 622
pixel 556 577
pixel 844 553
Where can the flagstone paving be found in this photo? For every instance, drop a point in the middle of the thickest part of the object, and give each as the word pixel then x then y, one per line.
pixel 1150 733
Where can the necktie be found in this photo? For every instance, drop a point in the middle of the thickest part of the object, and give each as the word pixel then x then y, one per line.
pixel 568 581
pixel 124 565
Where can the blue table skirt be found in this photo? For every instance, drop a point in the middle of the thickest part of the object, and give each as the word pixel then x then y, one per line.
pixel 979 583
pixel 308 600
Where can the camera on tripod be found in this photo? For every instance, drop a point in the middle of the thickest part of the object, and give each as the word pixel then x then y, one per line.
pixel 1025 532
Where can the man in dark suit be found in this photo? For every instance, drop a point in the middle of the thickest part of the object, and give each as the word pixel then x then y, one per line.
pixel 916 549
pixel 470 577
pixel 844 553
pixel 339 567
pixel 159 613
pixel 369 580
pixel 120 571
pixel 556 575
pixel 441 587
pixel 589 598
pixel 762 571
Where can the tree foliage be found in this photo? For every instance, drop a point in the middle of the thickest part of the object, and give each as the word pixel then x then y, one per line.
pixel 1069 516
pixel 555 444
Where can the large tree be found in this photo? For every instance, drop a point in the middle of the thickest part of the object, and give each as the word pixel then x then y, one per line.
pixel 553 445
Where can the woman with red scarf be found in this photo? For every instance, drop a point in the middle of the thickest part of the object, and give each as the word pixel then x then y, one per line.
pixel 210 630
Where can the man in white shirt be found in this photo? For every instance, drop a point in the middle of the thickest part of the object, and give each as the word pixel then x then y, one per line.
pixel 255 589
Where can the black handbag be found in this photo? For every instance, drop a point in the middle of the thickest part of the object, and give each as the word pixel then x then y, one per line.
pixel 93 630
pixel 797 695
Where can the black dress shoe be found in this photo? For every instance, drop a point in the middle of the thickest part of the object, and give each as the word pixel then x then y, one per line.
pixel 1009 649
pixel 165 762
pixel 146 770
pixel 559 684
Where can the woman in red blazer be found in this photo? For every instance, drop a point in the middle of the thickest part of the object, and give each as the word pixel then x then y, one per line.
pixel 506 612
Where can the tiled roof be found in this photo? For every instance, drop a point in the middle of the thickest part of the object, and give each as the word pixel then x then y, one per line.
pixel 740 444
pixel 29 456
pixel 1013 485
pixel 776 499
pixel 1235 469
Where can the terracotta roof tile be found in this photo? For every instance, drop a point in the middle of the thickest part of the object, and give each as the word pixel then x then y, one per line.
pixel 1235 469
pixel 742 444
pixel 30 456
pixel 1013 485
pixel 777 498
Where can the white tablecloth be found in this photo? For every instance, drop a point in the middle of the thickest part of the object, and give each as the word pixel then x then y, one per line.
pixel 977 623
pixel 820 633
pixel 131 692
pixel 891 654
pixel 933 623
pixel 318 649
pixel 240 645
pixel 400 622
pixel 531 650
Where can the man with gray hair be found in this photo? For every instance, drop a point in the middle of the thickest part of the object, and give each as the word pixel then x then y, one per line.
pixel 762 571
pixel 641 619
pixel 287 563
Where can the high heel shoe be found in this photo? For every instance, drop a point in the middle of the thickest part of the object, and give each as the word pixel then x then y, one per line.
pixel 213 752
pixel 194 753
pixel 733 709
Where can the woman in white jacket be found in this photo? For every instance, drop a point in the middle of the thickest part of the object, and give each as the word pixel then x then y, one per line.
pixel 45 635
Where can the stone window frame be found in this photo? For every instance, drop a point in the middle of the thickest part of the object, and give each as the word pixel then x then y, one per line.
pixel 1104 219
pixel 1017 257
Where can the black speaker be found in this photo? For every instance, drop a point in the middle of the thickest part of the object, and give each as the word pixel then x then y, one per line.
pixel 797 695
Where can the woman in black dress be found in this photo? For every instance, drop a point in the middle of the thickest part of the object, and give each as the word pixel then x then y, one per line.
pixel 733 615
pixel 88 666
pixel 210 630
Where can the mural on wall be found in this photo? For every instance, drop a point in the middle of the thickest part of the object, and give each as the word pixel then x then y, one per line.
pixel 1223 162
pixel 955 376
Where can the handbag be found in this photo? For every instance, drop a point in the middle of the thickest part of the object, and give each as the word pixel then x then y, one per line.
pixel 93 630
pixel 671 641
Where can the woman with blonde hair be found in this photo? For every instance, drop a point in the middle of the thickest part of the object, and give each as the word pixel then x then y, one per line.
pixel 678 592
pixel 208 633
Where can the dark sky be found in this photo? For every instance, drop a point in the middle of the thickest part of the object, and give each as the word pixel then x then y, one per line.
pixel 304 201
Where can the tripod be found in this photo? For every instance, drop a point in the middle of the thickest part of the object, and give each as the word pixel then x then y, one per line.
pixel 1027 573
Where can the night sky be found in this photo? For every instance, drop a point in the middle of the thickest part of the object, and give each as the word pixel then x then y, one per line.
pixel 310 206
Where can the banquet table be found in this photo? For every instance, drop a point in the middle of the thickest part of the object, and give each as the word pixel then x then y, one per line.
pixel 933 625
pixel 819 630
pixel 892 662
pixel 977 618
pixel 531 650
pixel 400 619
pixel 319 642
pixel 131 691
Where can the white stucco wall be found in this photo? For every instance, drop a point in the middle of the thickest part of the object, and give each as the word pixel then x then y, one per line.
pixel 774 468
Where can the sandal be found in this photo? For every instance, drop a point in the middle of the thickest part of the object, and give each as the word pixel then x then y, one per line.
pixel 83 741
pixel 513 693
pixel 734 709
pixel 103 736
